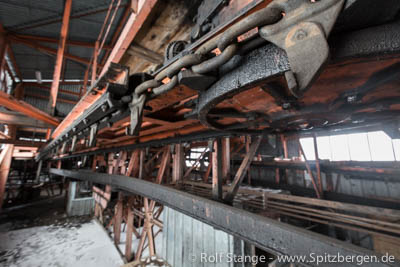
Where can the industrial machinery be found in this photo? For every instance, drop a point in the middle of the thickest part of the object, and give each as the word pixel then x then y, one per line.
pixel 267 67
pixel 250 76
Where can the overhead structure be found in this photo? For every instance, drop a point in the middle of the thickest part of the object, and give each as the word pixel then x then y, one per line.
pixel 245 119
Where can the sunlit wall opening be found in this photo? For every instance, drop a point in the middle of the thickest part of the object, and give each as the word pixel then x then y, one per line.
pixel 367 146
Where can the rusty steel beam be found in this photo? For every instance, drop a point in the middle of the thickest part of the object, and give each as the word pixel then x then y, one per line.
pixel 12 103
pixel 128 33
pixel 117 32
pixel 60 57
pixel 109 26
pixel 265 233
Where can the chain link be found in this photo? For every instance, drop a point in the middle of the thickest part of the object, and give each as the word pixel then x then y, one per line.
pixel 197 62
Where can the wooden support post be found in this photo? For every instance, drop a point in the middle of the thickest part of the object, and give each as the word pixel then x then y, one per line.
pixel 329 182
pixel 149 227
pixel 139 249
pixel 248 141
pixel 188 171
pixel 118 219
pixel 147 230
pixel 163 166
pixel 5 162
pixel 133 165
pixel 217 170
pixel 110 163
pixel 320 185
pixel 6 158
pixel 277 175
pixel 209 168
pixel 319 194
pixel 129 230
pixel 60 57
pixel 120 160
pixel 178 162
pixel 3 52
pixel 141 164
pixel 38 171
pixel 242 170
pixel 226 159
pixel 285 155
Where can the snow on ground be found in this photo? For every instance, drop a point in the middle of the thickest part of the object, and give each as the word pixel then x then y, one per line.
pixel 60 246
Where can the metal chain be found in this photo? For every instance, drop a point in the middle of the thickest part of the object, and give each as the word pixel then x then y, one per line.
pixel 198 62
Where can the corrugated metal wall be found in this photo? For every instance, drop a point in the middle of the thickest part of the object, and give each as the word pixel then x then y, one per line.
pixel 185 240
pixel 78 206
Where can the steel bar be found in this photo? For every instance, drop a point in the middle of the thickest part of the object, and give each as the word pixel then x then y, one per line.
pixel 132 27
pixel 265 233
pixel 172 140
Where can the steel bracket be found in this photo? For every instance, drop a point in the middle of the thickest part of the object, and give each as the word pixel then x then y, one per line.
pixel 303 33
pixel 136 107
pixel 73 145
